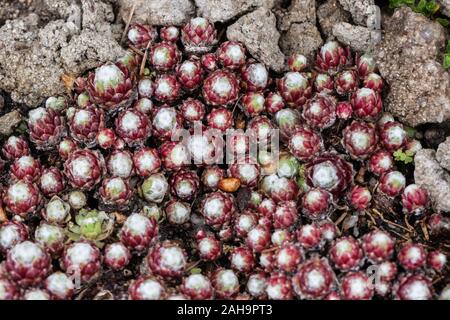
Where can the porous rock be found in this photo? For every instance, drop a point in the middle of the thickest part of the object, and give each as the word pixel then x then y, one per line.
pixel 298 11
pixel 431 176
pixel 330 13
pixel 356 37
pixel 225 10
pixel 157 12
pixel 257 31
pixel 301 38
pixel 34 56
pixel 408 59
pixel 443 154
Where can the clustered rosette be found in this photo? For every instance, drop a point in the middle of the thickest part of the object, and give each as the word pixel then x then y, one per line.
pixel 125 181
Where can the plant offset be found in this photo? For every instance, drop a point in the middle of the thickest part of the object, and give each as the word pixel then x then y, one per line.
pixel 102 199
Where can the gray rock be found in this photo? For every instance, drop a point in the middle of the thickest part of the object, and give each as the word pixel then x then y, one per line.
pixel 356 37
pixel 445 7
pixel 257 31
pixel 34 56
pixel 88 50
pixel 443 154
pixel 9 121
pixel 157 12
pixel 298 11
pixel 431 176
pixel 301 38
pixel 359 9
pixel 225 10
pixel 408 59
pixel 330 13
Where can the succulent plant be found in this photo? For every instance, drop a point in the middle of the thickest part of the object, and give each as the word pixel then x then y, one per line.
pixel 412 256
pixel 254 77
pixel 414 199
pixel 220 88
pixel 51 182
pixel 92 225
pixel 346 82
pixel 332 57
pixel 140 35
pixel 413 287
pixel 15 147
pixel 22 198
pixel 138 231
pixel 111 86
pixel 167 88
pixel 50 237
pixel 146 288
pixel 133 127
pixel 392 183
pixel 198 36
pixel 295 89
pixel 356 286
pixel 190 74
pixel 314 280
pixel 360 139
pixel 27 263
pixel 317 203
pixel 84 169
pixel 46 128
pixel 12 233
pixel 85 123
pixel 346 254
pixel 367 104
pixel 279 287
pixel 60 286
pixel 197 287
pixel 320 112
pixel 225 283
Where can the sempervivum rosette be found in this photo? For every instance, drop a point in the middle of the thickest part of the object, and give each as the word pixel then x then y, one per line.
pixel 133 127
pixel 192 110
pixel 166 121
pixel 81 259
pixel 138 231
pixel 315 279
pixel 84 169
pixel 360 139
pixel 255 77
pixel 146 161
pixel 120 164
pixel 174 155
pixel 167 88
pixel 252 103
pixel 85 123
pixel 140 35
pixel 414 199
pixel 217 208
pixel 279 188
pixel 51 238
pixel 324 83
pixel 112 86
pixel 295 89
pixel 356 286
pixel 190 74
pixel 25 168
pixel 392 136
pixel 320 112
pixel 225 283
pixel 231 54
pixel 198 36
pixel 12 233
pixel 51 182
pixel 184 184
pixel 331 172
pixel 22 197
pixel 332 57
pixel 46 127
pixel 167 259
pixel 220 88
pixel 413 287
pixel 27 263
pixel 346 82
pixel 378 246
pixel 15 147
pixel 115 192
pixel 170 33
pixel 273 102
pixel 367 104
pixel 164 56
pixel 146 288
pixel 346 254
pixel 247 173
pixel 317 203
pixel 365 64
pixel 287 121
pixel 197 287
